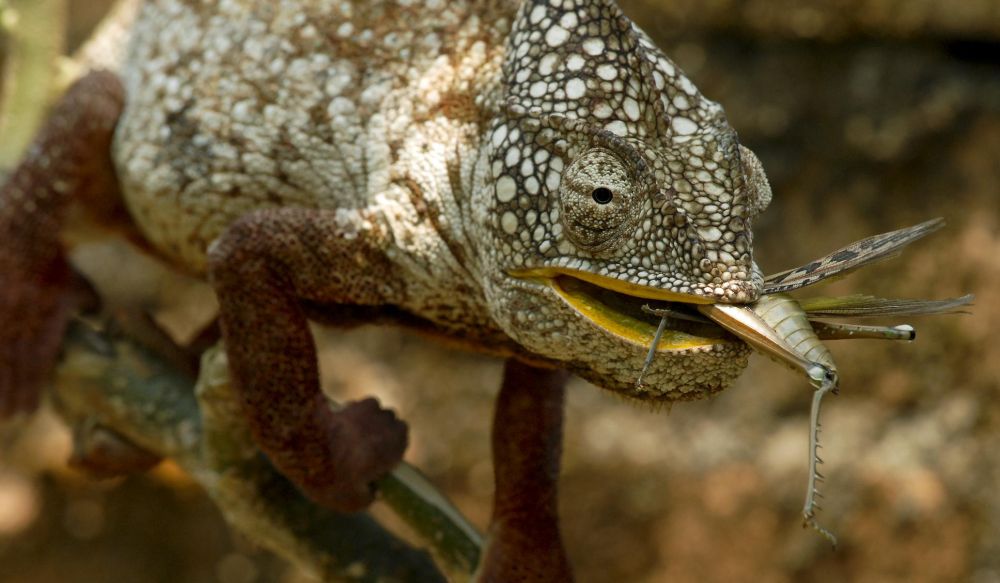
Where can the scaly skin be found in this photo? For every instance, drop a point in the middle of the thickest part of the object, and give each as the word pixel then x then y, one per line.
pixel 241 106
pixel 457 167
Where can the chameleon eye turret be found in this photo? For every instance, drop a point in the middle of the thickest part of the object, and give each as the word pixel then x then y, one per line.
pixel 599 199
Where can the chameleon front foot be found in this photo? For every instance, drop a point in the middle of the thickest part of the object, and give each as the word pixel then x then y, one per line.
pixel 269 269
pixel 367 442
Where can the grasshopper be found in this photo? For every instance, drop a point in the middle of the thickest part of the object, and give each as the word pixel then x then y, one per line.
pixel 792 331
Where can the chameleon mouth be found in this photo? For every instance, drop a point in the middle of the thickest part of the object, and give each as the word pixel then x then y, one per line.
pixel 617 307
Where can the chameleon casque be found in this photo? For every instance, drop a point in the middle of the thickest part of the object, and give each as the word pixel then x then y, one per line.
pixel 518 176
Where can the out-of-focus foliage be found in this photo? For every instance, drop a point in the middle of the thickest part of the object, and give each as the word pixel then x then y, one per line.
pixel 32 45
pixel 868 115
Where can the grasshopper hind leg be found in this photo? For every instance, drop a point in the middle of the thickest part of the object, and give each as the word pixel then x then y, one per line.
pixel 827 385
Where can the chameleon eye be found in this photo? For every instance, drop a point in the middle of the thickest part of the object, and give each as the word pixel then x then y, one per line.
pixel 602 195
pixel 598 199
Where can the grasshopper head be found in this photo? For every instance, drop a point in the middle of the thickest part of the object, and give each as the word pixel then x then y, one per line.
pixel 611 182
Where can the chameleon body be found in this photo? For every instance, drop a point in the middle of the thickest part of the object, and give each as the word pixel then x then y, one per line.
pixel 395 117
pixel 521 177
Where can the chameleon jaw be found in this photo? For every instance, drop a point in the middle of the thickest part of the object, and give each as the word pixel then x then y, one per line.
pixel 615 306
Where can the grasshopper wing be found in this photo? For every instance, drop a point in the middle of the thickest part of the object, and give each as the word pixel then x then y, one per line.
pixel 849 258
pixel 862 306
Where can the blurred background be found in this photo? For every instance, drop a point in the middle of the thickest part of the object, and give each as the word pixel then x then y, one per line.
pixel 868 115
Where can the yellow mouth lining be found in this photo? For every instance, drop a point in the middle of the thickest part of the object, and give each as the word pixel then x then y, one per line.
pixel 576 289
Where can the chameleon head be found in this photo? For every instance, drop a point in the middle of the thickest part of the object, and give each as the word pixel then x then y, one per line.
pixel 608 181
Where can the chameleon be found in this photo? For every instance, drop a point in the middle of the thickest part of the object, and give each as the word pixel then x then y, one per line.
pixel 517 178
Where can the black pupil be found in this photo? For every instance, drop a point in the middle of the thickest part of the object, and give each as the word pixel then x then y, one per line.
pixel 602 195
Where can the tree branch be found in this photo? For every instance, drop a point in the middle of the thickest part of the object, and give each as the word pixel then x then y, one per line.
pixel 114 383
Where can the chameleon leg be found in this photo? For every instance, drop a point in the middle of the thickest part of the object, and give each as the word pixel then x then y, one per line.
pixel 267 269
pixel 68 162
pixel 524 541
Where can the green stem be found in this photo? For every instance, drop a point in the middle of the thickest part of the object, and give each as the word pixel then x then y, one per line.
pixel 34 32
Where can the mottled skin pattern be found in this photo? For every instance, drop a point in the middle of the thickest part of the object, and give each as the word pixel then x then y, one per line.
pixel 435 164
pixel 422 131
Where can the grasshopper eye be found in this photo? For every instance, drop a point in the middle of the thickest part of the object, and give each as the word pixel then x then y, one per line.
pixel 602 195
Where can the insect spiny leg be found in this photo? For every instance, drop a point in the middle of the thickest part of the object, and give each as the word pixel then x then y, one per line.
pixel 811 506
pixel 652 349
